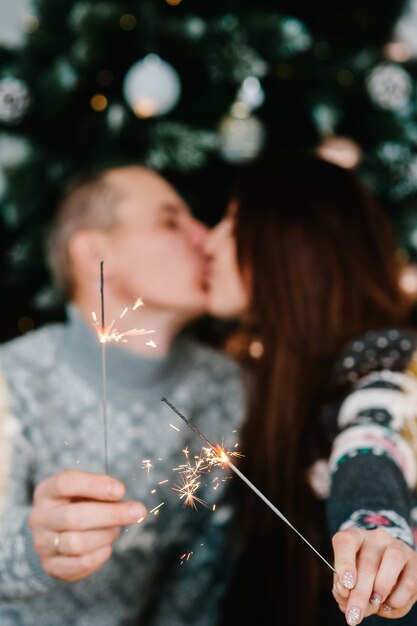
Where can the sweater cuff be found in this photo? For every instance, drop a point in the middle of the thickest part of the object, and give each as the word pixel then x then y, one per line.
pixel 390 521
pixel 40 581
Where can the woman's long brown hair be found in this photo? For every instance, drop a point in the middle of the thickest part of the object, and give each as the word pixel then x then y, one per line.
pixel 322 264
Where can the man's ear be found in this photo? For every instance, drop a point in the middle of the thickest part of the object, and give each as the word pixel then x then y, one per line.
pixel 86 251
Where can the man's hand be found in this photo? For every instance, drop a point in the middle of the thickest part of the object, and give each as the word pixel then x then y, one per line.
pixel 76 516
pixel 374 574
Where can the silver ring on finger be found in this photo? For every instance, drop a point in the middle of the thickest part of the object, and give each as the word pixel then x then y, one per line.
pixel 55 543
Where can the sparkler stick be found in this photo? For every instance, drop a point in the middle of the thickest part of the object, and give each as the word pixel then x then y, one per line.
pixel 103 341
pixel 109 335
pixel 222 455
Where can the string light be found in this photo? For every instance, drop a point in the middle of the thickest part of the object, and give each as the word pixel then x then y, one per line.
pixel 25 324
pixel 98 102
pixel 128 21
pixel 345 78
pixel 342 151
pixel 397 51
pixel 408 281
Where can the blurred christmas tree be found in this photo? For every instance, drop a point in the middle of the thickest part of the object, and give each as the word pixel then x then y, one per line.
pixel 193 90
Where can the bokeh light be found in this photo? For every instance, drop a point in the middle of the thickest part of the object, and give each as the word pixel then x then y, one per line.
pixel 98 102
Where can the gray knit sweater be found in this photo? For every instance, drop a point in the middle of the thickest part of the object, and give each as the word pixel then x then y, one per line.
pixel 50 420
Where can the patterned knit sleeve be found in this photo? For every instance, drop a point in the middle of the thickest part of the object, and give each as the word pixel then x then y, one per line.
pixel 373 459
pixel 21 574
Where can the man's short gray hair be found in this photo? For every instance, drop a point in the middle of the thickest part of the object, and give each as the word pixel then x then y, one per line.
pixel 88 203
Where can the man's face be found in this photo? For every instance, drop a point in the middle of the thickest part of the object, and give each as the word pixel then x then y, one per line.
pixel 156 248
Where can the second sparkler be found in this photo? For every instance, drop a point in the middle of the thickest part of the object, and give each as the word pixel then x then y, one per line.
pixel 225 459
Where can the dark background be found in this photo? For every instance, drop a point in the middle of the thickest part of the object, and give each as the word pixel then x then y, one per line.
pixel 314 60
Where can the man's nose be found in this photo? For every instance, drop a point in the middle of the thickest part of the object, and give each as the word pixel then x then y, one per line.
pixel 197 234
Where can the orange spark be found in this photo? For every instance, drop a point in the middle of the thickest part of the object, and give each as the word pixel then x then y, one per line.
pixel 146 464
pixel 155 510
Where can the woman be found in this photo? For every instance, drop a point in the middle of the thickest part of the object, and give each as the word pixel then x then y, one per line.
pixel 307 258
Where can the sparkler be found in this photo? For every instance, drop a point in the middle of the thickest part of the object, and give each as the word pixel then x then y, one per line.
pixel 107 335
pixel 191 472
pixel 187 492
pixel 155 510
pixel 222 456
pixel 186 556
pixel 103 342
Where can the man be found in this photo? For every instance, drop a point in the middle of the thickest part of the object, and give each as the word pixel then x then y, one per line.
pixel 75 547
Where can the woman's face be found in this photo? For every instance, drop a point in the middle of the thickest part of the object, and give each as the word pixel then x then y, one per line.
pixel 227 295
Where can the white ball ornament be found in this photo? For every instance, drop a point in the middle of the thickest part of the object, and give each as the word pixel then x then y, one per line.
pixel 389 86
pixel 251 93
pixel 151 87
pixel 14 100
pixel 241 135
pixel 116 116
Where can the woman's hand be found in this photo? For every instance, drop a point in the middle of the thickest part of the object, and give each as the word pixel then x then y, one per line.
pixel 374 574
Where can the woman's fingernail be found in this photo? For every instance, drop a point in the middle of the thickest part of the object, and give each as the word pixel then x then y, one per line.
pixel 375 599
pixel 386 607
pixel 353 616
pixel 348 580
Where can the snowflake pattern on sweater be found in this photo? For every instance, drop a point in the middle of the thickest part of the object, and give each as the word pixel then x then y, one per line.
pixel 51 421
